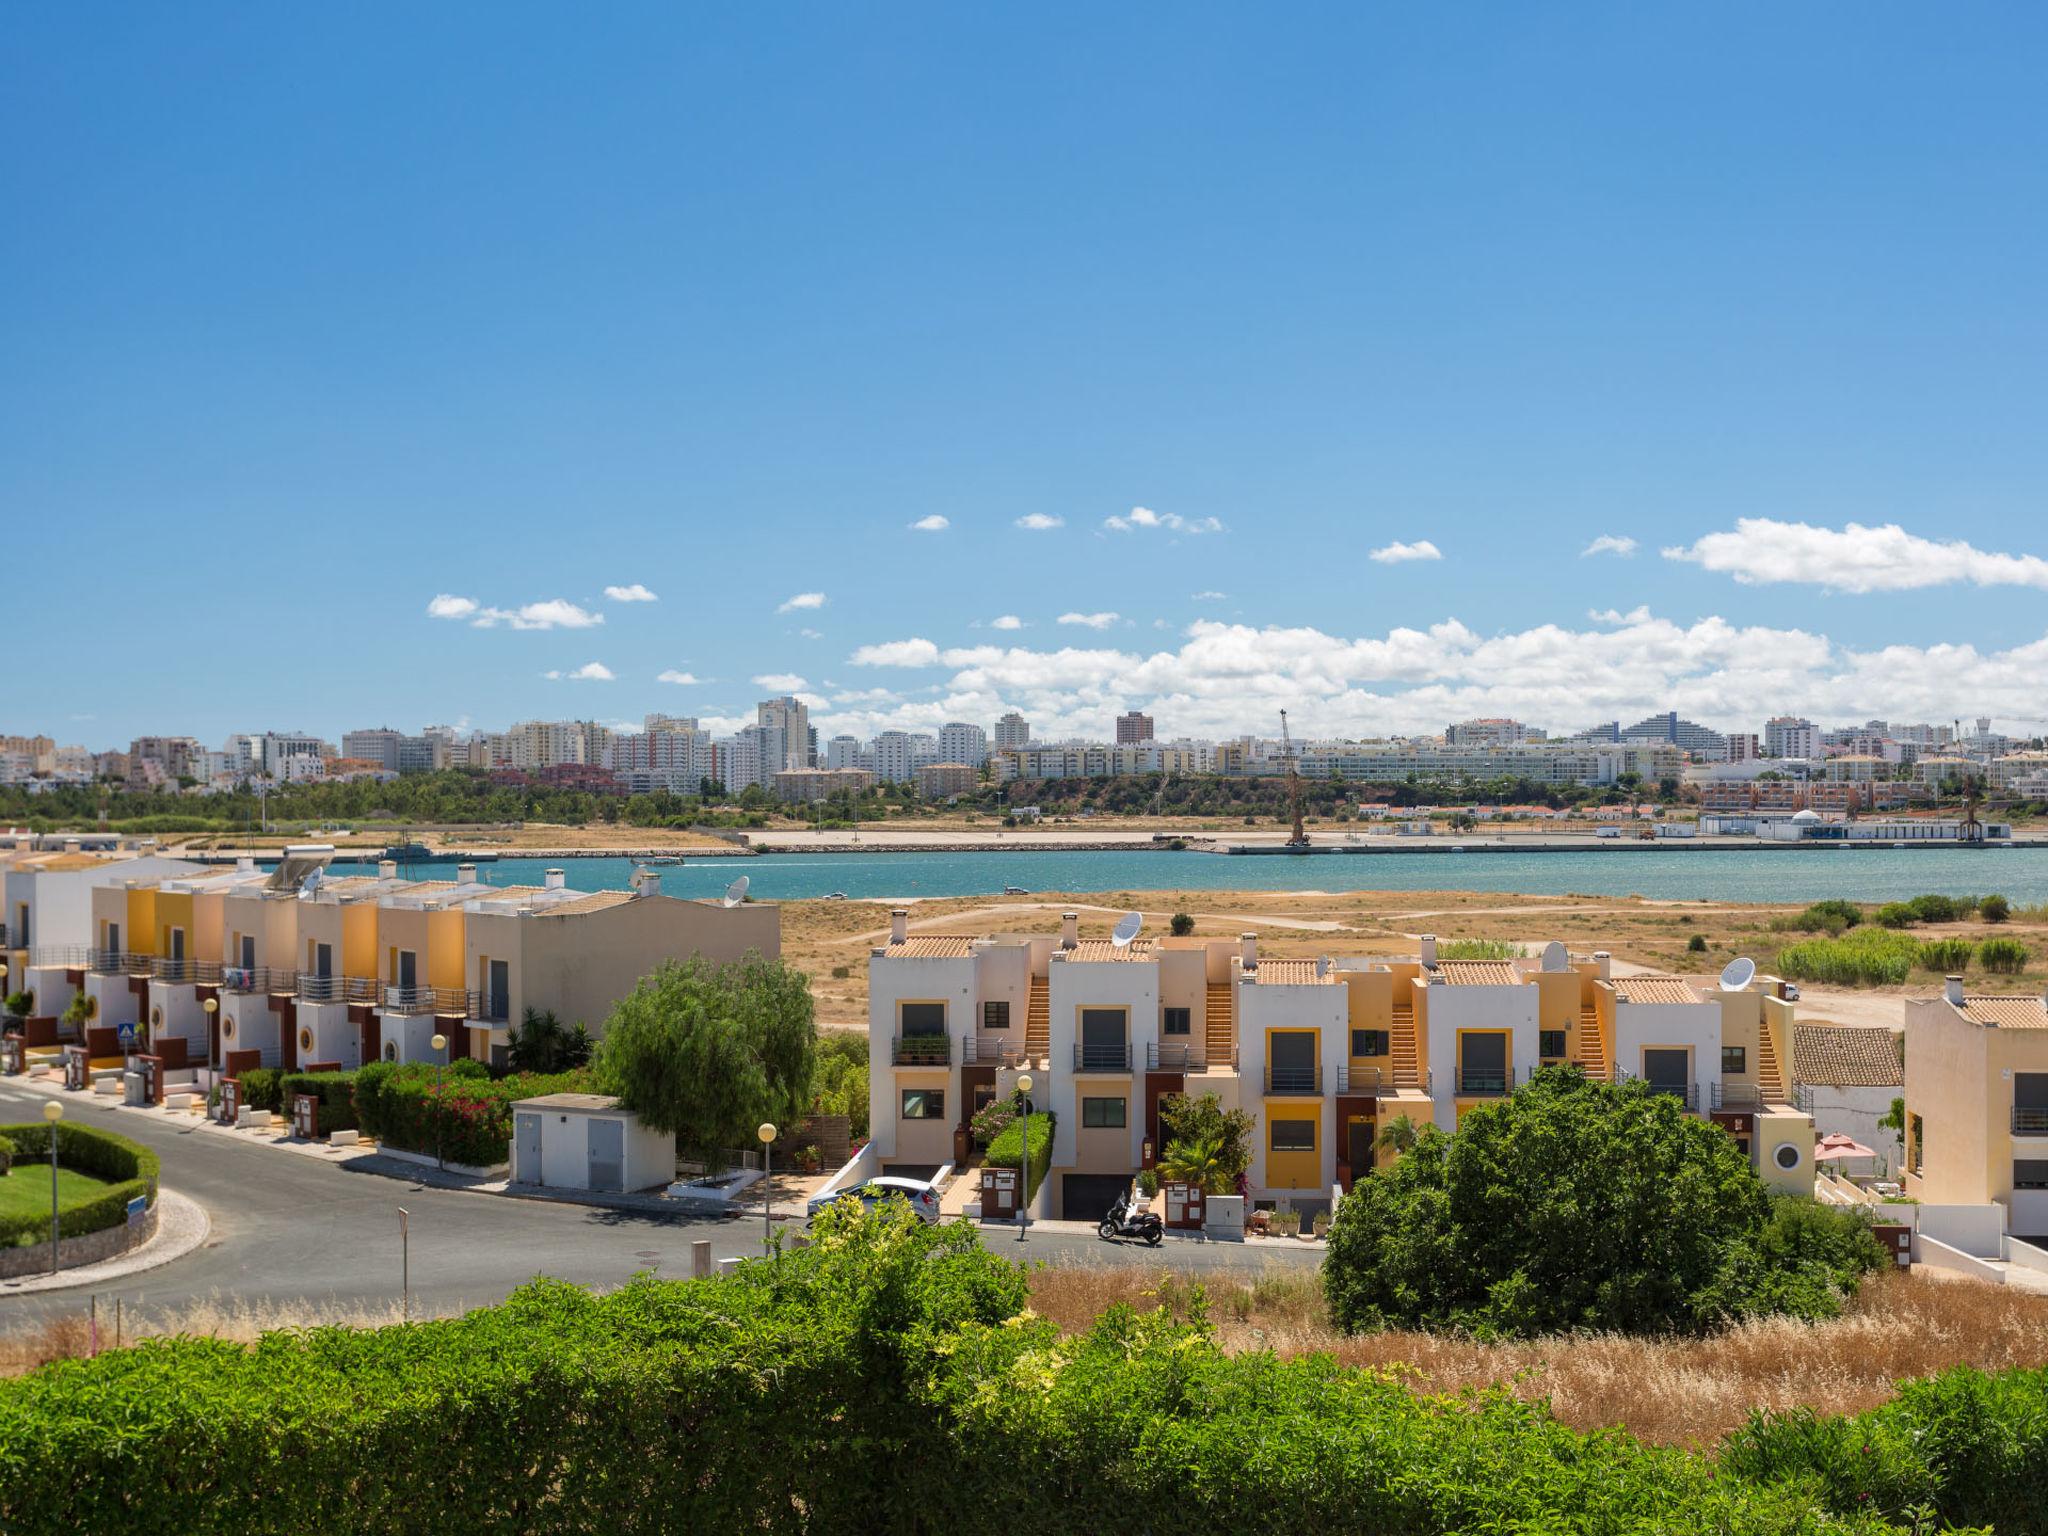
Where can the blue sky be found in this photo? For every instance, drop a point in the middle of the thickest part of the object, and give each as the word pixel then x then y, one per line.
pixel 314 317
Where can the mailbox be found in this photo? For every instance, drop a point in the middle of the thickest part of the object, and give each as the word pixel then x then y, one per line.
pixel 1896 1239
pixel 10 1055
pixel 306 1116
pixel 1184 1206
pixel 998 1194
pixel 230 1100
pixel 77 1067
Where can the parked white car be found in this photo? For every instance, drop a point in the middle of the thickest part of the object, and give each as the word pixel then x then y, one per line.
pixel 922 1197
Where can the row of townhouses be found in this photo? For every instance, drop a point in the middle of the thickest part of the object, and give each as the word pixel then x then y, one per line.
pixel 1322 1053
pixel 301 968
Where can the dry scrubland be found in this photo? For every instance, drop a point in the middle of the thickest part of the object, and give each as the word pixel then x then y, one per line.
pixel 824 937
pixel 1688 1392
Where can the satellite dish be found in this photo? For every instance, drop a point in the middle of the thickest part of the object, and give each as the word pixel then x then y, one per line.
pixel 1738 974
pixel 736 892
pixel 1322 965
pixel 1127 929
pixel 1555 957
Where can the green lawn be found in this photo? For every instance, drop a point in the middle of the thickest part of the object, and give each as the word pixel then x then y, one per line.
pixel 26 1191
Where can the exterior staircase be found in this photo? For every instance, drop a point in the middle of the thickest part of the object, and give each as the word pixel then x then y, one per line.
pixel 1038 1021
pixel 1406 1064
pixel 1219 1027
pixel 1589 1051
pixel 1770 1074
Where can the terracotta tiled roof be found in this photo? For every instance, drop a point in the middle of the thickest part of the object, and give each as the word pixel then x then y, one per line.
pixel 1479 973
pixel 1291 973
pixel 1102 950
pixel 933 946
pixel 1846 1056
pixel 1655 989
pixel 2006 1012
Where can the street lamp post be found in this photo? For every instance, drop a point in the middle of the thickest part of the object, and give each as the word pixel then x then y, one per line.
pixel 440 1045
pixel 1024 1158
pixel 766 1132
pixel 53 1112
pixel 212 1007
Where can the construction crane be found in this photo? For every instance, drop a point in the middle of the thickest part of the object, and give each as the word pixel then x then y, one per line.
pixel 1298 838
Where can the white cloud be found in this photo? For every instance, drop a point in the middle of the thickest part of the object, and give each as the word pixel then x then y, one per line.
pixel 1145 517
pixel 1040 522
pixel 897 653
pixel 1006 621
pixel 812 634
pixel 1090 620
pixel 551 613
pixel 802 601
pixel 1636 615
pixel 1210 597
pixel 630 594
pixel 780 682
pixel 680 678
pixel 1854 558
pixel 1397 552
pixel 589 672
pixel 933 524
pixel 1610 544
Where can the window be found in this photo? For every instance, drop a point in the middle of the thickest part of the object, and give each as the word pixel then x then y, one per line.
pixel 1786 1156
pixel 1550 1044
pixel 1180 1021
pixel 924 1018
pixel 2030 1173
pixel 924 1104
pixel 1734 1060
pixel 1369 1042
pixel 1293 1136
pixel 1102 1114
pixel 995 1015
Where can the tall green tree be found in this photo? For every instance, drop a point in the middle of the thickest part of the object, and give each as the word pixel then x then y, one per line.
pixel 708 1051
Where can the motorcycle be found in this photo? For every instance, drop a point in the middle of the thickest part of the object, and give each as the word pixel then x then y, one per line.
pixel 1123 1222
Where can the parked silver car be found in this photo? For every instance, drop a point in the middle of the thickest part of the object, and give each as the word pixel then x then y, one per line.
pixel 922 1197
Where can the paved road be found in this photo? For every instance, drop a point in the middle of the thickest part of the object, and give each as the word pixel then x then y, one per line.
pixel 287 1227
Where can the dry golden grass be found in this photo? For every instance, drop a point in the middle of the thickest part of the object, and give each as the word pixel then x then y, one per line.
pixel 1676 1392
pixel 68 1335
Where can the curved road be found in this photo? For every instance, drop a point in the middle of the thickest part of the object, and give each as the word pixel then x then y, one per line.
pixel 288 1228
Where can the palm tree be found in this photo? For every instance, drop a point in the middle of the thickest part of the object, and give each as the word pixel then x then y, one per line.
pixel 1398 1135
pixel 1198 1162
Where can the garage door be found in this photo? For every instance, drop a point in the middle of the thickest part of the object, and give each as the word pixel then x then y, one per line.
pixel 1088 1196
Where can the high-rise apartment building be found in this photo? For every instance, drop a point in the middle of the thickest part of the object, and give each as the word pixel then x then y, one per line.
pixel 378 745
pixel 895 757
pixel 786 739
pixel 1133 727
pixel 1013 730
pixel 963 743
pixel 1790 736
pixel 844 752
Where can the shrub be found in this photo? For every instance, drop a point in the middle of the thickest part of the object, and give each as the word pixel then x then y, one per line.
pixel 1934 909
pixel 6 1154
pixel 1697 944
pixel 1478 949
pixel 1897 914
pixel 1181 925
pixel 130 1168
pixel 21 1004
pixel 468 1119
pixel 336 1092
pixel 1994 909
pixel 1833 915
pixel 1947 956
pixel 543 1043
pixel 2004 957
pixel 260 1088
pixel 1864 957
pixel 1008 1147
pixel 1573 1205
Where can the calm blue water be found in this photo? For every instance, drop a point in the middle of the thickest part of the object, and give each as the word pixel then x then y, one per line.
pixel 1762 874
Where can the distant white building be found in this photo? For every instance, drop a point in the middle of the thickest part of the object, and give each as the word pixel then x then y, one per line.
pixel 963 743
pixel 843 752
pixel 1790 736
pixel 895 757
pixel 1013 730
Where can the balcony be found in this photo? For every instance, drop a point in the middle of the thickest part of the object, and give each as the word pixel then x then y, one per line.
pixel 1102 1058
pixel 1293 1080
pixel 114 962
pixel 1483 1082
pixel 991 1050
pixel 921 1051
pixel 185 972
pixel 68 956
pixel 336 989
pixel 1687 1094
pixel 1736 1096
pixel 1360 1079
pixel 258 978
pixel 1176 1055
pixel 408 1000
pixel 2029 1122
pixel 490 1008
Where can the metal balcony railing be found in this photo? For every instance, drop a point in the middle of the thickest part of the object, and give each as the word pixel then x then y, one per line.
pixel 1802 1098
pixel 70 956
pixel 998 1050
pixel 2029 1122
pixel 921 1050
pixel 205 972
pixel 137 965
pixel 1293 1079
pixel 321 989
pixel 1483 1081
pixel 487 1008
pixel 1102 1058
pixel 1175 1055
pixel 1358 1079
pixel 1736 1096
pixel 408 1000
pixel 258 978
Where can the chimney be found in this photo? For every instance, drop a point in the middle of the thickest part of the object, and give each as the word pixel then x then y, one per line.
pixel 245 864
pixel 387 869
pixel 1070 929
pixel 465 874
pixel 71 845
pixel 1952 989
pixel 1604 963
pixel 1429 950
pixel 553 880
pixel 899 926
pixel 1248 948
pixel 645 882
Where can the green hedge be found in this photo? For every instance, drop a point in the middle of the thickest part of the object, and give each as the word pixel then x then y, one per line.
pixel 888 1378
pixel 468 1121
pixel 130 1169
pixel 336 1092
pixel 1003 1152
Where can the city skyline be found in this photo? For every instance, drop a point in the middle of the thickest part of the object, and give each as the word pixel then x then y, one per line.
pixel 1648 369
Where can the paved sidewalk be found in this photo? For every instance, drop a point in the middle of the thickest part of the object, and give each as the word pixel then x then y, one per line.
pixel 181 1226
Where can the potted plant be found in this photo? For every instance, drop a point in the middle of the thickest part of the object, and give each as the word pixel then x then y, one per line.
pixel 1321 1224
